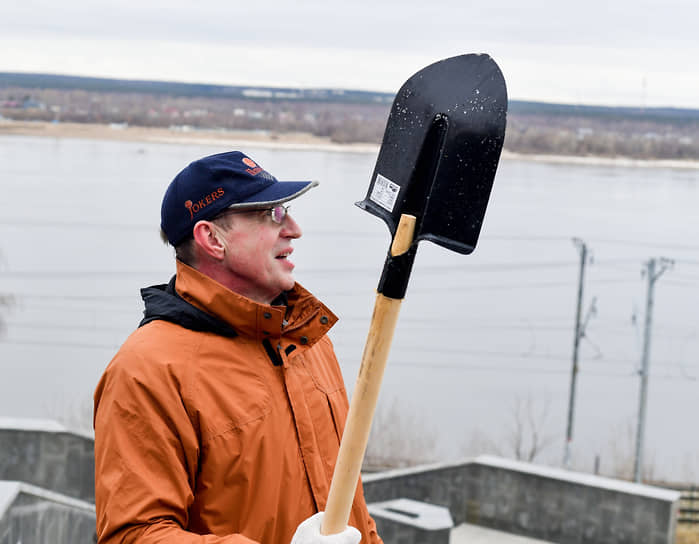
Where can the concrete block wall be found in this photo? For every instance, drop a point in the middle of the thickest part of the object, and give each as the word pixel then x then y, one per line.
pixel 405 521
pixel 47 485
pixel 538 502
pixel 47 455
pixel 32 515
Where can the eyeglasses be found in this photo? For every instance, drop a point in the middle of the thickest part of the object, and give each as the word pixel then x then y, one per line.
pixel 277 213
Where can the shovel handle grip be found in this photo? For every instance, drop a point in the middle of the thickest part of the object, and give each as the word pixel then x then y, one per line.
pixel 364 398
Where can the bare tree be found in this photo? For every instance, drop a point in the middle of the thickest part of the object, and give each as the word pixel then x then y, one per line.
pixel 622 448
pixel 6 300
pixel 399 438
pixel 74 414
pixel 526 434
pixel 480 443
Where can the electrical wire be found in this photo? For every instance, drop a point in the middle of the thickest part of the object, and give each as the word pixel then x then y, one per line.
pixel 521 370
pixel 645 244
pixel 76 274
pixel 24 222
pixel 53 344
pixel 513 355
pixel 419 289
pixel 63 327
pixel 472 268
pixel 33 296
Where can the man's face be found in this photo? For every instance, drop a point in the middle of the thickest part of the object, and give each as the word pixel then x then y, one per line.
pixel 257 254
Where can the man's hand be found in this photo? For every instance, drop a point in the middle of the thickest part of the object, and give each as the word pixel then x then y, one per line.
pixel 309 533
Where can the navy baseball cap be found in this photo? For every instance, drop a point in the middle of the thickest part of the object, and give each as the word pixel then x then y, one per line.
pixel 208 186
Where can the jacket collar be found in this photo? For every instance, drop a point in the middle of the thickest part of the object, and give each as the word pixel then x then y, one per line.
pixel 303 321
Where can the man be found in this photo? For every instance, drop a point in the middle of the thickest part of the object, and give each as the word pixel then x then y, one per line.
pixel 221 415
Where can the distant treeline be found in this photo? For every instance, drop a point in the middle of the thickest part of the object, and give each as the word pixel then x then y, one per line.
pixel 608 113
pixel 248 92
pixel 200 90
pixel 342 115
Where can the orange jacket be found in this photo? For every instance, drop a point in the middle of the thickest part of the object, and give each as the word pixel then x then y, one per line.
pixel 198 433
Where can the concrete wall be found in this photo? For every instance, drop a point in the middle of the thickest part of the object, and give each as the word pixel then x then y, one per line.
pixel 31 515
pixel 405 521
pixel 47 485
pixel 45 454
pixel 550 504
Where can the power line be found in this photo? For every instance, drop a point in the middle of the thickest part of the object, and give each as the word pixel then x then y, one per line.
pixel 23 222
pixel 87 309
pixel 62 327
pixel 32 296
pixel 541 329
pixel 76 274
pixel 498 368
pixel 397 364
pixel 613 241
pixel 470 268
pixel 531 324
pixel 523 355
pixel 514 238
pixel 645 244
pixel 499 354
pixel 682 283
pixel 690 277
pixel 52 344
pixel 418 289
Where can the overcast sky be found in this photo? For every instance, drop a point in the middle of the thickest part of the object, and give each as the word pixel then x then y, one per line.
pixel 614 52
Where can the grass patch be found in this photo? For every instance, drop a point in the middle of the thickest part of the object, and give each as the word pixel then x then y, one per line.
pixel 687 534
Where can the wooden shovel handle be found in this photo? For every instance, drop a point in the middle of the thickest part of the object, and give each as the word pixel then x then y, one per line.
pixel 366 392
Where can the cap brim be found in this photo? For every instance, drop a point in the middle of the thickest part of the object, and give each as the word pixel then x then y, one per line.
pixel 276 194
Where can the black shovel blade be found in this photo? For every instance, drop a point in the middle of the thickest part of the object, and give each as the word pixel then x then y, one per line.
pixel 440 151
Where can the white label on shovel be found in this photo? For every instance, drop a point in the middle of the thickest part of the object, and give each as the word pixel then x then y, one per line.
pixel 385 192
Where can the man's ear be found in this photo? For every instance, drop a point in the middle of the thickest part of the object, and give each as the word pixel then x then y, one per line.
pixel 208 239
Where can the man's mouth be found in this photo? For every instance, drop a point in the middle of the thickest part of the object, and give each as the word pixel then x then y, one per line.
pixel 284 254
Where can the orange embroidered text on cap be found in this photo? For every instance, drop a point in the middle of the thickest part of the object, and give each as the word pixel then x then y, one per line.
pixel 202 203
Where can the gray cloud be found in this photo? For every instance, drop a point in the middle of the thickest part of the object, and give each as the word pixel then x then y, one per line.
pixel 580 44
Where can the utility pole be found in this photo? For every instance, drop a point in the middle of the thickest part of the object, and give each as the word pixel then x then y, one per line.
pixel 663 264
pixel 579 333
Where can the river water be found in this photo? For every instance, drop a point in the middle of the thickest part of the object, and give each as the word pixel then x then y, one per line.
pixel 484 342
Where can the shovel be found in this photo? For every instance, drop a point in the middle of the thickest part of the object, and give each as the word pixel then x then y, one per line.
pixel 432 181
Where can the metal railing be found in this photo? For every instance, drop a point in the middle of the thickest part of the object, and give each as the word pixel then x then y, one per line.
pixel 689 506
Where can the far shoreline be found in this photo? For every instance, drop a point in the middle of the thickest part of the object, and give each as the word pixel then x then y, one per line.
pixel 176 135
pixel 280 140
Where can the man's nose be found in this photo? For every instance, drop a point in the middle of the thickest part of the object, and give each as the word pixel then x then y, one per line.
pixel 290 228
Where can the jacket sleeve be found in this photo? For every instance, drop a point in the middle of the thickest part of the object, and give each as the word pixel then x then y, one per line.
pixel 373 534
pixel 146 457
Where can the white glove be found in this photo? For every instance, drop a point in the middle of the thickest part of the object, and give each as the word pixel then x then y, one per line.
pixel 308 532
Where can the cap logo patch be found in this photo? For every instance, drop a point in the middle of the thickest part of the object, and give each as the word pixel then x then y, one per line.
pixel 253 169
pixel 202 203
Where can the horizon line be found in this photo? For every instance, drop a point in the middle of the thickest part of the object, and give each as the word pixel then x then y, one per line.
pixel 334 89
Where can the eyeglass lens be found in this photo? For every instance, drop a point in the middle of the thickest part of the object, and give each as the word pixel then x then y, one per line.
pixel 278 213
